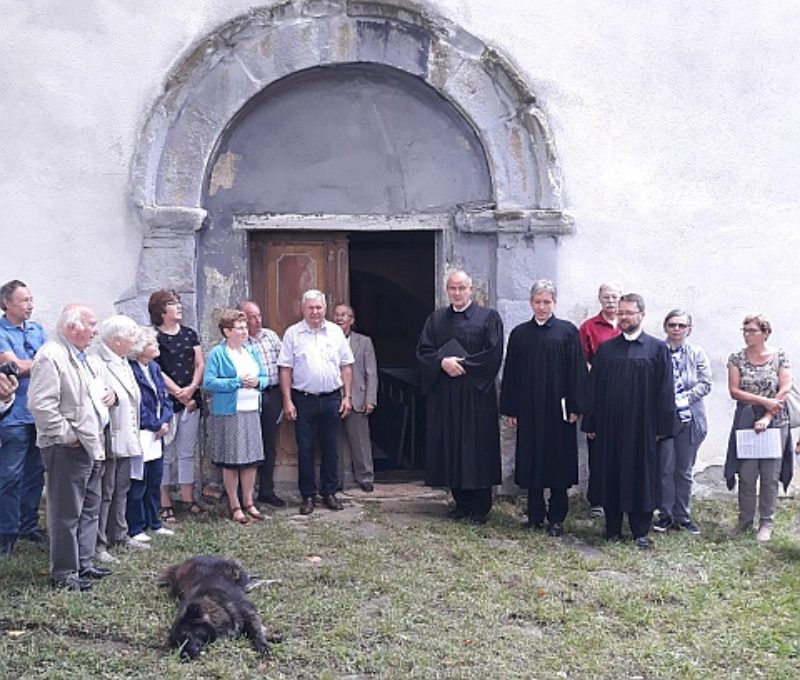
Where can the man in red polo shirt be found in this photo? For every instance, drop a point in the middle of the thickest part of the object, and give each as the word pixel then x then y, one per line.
pixel 594 332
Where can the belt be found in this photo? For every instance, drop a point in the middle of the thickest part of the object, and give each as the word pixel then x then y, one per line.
pixel 317 394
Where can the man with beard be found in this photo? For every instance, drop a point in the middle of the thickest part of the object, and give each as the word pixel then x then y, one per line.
pixel 459 354
pixel 631 408
pixel 594 332
pixel 544 380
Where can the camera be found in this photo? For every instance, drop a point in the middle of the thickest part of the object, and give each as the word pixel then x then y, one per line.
pixel 9 368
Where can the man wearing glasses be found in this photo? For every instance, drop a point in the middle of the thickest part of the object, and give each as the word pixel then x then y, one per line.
pixel 632 405
pixel 21 467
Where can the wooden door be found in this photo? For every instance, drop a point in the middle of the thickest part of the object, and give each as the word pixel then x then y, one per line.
pixel 285 265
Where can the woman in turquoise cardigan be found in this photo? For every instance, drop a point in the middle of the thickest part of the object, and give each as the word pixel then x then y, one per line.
pixel 234 377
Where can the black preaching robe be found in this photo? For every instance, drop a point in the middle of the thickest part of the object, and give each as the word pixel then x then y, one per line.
pixel 463 436
pixel 544 364
pixel 631 402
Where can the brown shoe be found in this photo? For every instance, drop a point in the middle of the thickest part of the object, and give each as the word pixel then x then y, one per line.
pixel 331 502
pixel 307 506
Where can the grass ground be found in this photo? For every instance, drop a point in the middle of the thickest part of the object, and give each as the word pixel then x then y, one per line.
pixel 384 593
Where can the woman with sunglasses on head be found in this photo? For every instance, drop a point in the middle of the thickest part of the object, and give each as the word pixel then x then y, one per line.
pixel 691 372
pixel 759 378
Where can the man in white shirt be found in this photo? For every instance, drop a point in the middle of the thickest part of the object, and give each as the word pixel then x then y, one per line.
pixel 315 377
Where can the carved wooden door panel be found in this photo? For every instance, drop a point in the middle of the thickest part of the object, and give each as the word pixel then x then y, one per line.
pixel 282 267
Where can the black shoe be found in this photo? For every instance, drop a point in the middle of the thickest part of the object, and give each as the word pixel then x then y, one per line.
pixel 369 487
pixel 457 513
pixel 36 536
pixel 71 583
pixel 555 529
pixel 95 573
pixel 272 499
pixel 534 526
pixel 663 524
pixel 7 546
pixel 643 543
pixel 690 526
pixel 479 519
pixel 307 506
pixel 614 538
pixel 332 502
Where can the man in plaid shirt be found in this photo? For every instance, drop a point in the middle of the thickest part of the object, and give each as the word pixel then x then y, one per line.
pixel 268 346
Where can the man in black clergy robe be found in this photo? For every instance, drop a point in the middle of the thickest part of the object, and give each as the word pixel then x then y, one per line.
pixel 631 406
pixel 544 383
pixel 459 354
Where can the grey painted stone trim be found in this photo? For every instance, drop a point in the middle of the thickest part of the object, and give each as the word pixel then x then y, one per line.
pixel 284 221
pixel 535 222
pixel 242 57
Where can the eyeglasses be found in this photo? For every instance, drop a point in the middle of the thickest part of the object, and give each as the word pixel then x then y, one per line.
pixel 627 313
pixel 675 326
pixel 751 331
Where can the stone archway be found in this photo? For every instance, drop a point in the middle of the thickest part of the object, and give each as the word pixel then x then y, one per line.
pixel 243 57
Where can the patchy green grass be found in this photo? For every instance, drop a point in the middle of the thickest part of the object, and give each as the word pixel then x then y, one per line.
pixel 363 594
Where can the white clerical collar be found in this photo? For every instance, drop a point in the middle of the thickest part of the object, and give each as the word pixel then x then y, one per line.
pixel 462 309
pixel 542 323
pixel 630 337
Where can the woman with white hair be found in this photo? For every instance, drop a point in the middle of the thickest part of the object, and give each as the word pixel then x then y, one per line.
pixel 118 335
pixel 155 415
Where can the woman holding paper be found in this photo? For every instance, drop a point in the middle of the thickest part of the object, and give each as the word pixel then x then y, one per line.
pixel 759 377
pixel 235 377
pixel 155 413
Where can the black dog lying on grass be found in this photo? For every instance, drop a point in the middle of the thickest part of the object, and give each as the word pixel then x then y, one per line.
pixel 213 605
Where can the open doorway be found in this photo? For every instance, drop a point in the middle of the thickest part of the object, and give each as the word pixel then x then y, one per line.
pixel 392 290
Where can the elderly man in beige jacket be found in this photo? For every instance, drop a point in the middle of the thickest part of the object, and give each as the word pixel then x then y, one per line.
pixel 69 396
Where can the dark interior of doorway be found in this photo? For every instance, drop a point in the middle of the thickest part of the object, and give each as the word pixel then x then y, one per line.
pixel 392 290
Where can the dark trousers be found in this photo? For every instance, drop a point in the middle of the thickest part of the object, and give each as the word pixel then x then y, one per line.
pixel 555 511
pixel 475 502
pixel 144 499
pixel 639 522
pixel 271 404
pixel 21 480
pixel 318 421
pixel 593 492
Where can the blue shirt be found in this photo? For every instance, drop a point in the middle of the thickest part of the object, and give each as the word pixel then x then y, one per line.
pixel 24 342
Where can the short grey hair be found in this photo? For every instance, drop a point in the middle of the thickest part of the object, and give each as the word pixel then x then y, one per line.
pixel 70 316
pixel 314 294
pixel 544 286
pixel 672 313
pixel 147 335
pixel 459 271
pixel 118 326
pixel 609 285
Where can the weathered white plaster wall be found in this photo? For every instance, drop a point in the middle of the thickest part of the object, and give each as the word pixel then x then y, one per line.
pixel 675 123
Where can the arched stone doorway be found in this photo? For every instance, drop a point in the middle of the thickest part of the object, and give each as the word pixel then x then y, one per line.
pixel 505 230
